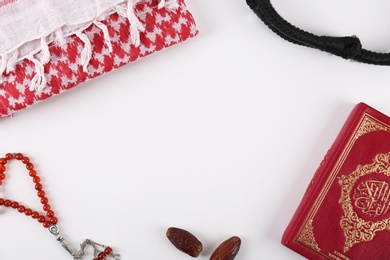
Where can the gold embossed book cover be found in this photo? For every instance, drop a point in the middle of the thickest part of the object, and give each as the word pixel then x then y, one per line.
pixel 345 212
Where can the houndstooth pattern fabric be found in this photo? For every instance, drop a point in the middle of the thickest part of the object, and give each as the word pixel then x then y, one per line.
pixel 163 28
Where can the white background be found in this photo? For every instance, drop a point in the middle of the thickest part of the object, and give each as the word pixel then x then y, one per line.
pixel 219 135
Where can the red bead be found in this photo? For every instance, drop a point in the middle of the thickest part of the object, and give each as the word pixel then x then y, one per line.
pixel 7 203
pixel 15 205
pixel 50 213
pixel 19 156
pixel 108 250
pixel 2 168
pixel 36 179
pixel 41 219
pixel 2 176
pixel 28 212
pixel 30 166
pixel 21 209
pixel 102 255
pixel 38 186
pixel 53 220
pixel 35 215
pixel 3 161
pixel 26 160
pixel 32 173
pixel 46 224
pixel 9 156
pixel 41 193
pixel 44 200
pixel 46 207
pixel 1 202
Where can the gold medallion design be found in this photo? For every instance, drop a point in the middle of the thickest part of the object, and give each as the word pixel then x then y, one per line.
pixel 365 191
pixel 372 197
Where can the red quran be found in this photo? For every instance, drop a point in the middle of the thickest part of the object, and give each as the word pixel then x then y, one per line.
pixel 345 212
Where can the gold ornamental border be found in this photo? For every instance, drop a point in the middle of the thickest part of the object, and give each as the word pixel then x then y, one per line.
pixel 305 235
pixel 356 229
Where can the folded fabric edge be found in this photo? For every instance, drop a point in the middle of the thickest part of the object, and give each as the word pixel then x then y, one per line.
pixel 163 29
pixel 37 51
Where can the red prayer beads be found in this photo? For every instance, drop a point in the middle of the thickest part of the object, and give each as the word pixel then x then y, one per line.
pixel 102 255
pixel 47 220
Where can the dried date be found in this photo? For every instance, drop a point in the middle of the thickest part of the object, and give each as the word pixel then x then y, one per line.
pixel 184 241
pixel 227 250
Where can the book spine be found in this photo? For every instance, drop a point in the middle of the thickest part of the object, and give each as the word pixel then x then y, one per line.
pixel 322 174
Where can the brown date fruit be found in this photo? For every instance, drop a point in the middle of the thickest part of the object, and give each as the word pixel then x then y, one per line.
pixel 227 250
pixel 184 241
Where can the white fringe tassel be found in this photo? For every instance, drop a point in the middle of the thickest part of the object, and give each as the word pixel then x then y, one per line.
pixel 135 25
pixel 4 61
pixel 3 66
pixel 86 53
pixel 161 4
pixel 104 29
pixel 11 63
pixel 59 37
pixel 168 4
pixel 121 10
pixel 38 82
pixel 44 51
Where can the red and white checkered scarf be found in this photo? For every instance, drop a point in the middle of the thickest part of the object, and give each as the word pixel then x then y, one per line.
pixel 49 46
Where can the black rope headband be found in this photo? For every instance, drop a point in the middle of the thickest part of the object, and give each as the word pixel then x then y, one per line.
pixel 348 47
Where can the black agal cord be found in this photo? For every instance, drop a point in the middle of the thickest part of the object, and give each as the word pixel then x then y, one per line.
pixel 348 47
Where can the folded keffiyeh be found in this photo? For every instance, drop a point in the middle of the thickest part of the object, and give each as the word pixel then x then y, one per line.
pixel 49 46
